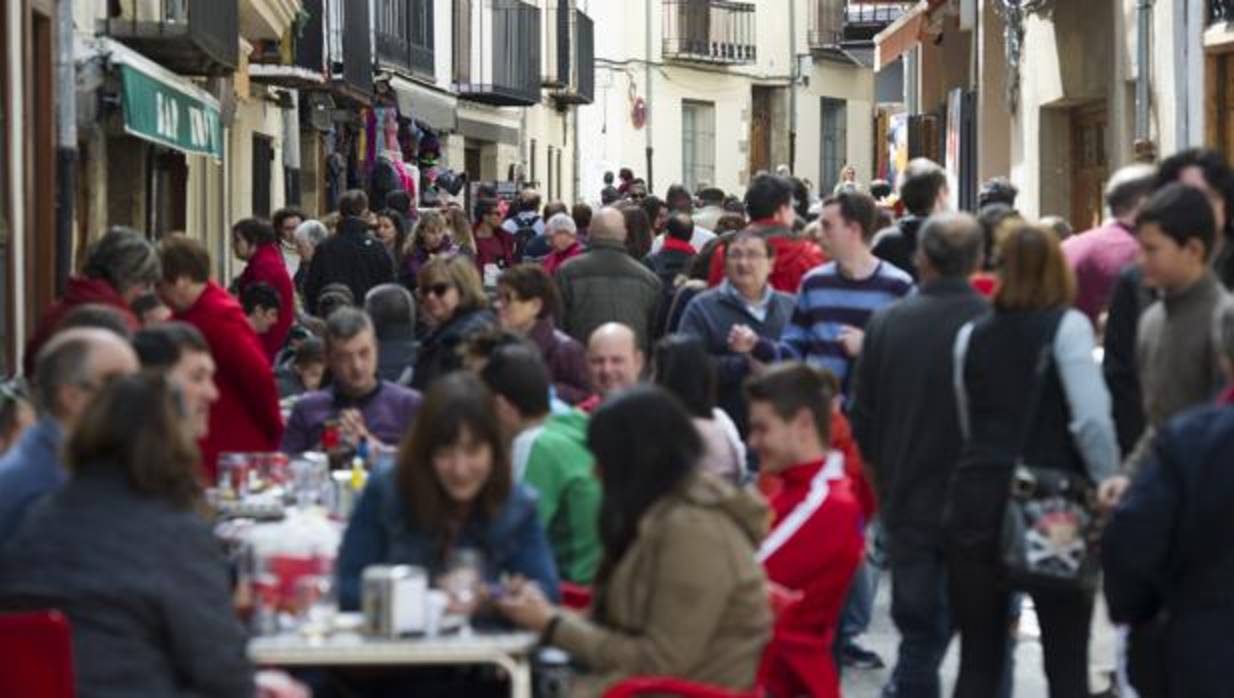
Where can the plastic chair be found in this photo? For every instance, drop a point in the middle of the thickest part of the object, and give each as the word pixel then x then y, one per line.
pixel 36 655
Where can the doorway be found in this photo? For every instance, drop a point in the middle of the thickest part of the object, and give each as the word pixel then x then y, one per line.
pixel 760 129
pixel 1089 165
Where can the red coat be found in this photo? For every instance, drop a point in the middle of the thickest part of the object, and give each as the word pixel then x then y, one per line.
pixel 814 548
pixel 555 259
pixel 267 266
pixel 246 416
pixel 795 257
pixel 81 290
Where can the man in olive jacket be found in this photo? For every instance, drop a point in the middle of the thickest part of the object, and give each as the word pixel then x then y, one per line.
pixel 606 284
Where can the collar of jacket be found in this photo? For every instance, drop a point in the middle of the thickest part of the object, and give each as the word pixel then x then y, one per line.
pixel 606 244
pixel 541 333
pixel 730 291
pixel 1207 285
pixel 801 475
pixel 675 245
pixel 947 286
pixel 353 226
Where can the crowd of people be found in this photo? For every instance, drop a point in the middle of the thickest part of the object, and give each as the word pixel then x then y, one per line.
pixel 727 418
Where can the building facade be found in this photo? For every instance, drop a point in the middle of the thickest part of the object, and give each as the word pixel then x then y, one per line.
pixel 712 91
pixel 1053 95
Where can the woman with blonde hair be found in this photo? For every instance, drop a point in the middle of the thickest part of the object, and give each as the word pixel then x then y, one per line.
pixel 455 306
pixel 431 240
pixel 460 229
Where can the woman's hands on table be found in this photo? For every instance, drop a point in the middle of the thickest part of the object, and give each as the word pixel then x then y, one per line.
pixel 525 605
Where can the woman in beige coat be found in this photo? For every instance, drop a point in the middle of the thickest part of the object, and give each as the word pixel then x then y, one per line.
pixel 679 592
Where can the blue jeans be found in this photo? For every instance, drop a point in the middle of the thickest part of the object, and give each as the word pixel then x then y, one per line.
pixel 920 611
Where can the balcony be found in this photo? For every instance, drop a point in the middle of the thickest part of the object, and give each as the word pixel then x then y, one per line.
pixel 497 52
pixel 335 43
pixel 190 37
pixel 404 33
pixel 569 52
pixel 835 24
pixel 709 31
pixel 826 24
pixel 267 19
pixel 1220 11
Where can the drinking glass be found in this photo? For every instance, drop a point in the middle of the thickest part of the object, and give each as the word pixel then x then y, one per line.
pixel 463 580
pixel 315 605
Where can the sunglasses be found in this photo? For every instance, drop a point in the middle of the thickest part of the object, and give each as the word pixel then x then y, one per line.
pixel 438 290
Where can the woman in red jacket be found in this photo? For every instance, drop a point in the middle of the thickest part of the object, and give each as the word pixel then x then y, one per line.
pixel 254 242
pixel 246 416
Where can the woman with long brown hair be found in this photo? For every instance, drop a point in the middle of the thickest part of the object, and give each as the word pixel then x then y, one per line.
pixel 1028 391
pixel 451 489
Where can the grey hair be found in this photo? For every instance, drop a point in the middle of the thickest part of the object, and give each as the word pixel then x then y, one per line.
pixel 563 222
pixel 1225 329
pixel 389 306
pixel 951 243
pixel 312 232
pixel 124 258
pixel 1128 186
pixel 346 323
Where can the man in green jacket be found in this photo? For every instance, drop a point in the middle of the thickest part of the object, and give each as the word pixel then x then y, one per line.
pixel 549 454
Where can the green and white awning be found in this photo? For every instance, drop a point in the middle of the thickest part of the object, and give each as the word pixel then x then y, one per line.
pixel 165 108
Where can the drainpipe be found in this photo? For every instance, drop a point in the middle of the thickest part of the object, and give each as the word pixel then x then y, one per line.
pixel 792 90
pixel 1144 16
pixel 650 149
pixel 66 141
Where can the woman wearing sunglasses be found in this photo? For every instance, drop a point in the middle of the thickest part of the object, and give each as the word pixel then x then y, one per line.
pixel 453 303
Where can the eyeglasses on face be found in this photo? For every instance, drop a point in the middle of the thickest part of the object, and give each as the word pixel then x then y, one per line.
pixel 738 255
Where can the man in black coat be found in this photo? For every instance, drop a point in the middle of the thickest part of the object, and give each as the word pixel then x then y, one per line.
pixel 924 193
pixel 1169 552
pixel 905 420
pixel 351 257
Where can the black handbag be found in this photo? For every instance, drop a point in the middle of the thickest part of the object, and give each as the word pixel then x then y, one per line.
pixel 1050 524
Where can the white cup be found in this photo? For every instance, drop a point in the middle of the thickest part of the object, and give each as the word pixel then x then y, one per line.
pixel 435 603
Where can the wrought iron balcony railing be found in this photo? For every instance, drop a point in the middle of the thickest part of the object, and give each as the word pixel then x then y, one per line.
pixel 569 53
pixel 709 31
pixel 404 33
pixel 497 52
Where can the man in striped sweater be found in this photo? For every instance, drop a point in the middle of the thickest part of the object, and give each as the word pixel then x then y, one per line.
pixel 836 299
pixel 816 541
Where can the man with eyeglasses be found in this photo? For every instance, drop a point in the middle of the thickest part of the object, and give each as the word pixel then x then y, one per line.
pixel 70 369
pixel 744 298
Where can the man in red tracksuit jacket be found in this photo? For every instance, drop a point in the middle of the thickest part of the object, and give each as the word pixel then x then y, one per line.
pixel 246 417
pixel 816 541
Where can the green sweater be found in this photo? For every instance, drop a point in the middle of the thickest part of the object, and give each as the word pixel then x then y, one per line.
pixel 562 471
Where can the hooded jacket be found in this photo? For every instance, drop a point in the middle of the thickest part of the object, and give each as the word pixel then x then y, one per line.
pixel 794 257
pixel 80 291
pixel 694 550
pixel 267 266
pixel 898 244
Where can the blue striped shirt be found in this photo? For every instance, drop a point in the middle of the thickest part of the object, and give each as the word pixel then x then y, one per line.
pixel 826 302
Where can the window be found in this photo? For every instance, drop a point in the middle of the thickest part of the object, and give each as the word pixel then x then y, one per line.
pixel 462 41
pixel 834 142
pixel 698 143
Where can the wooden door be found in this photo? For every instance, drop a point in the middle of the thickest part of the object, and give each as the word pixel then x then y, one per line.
pixel 1219 103
pixel 760 130
pixel 1089 165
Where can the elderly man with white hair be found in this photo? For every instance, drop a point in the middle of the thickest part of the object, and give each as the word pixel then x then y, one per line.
pixel 562 234
pixel 307 237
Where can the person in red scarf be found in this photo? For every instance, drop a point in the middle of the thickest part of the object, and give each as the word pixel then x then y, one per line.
pixel 769 201
pixel 120 267
pixel 816 540
pixel 562 234
pixel 246 416
pixel 254 242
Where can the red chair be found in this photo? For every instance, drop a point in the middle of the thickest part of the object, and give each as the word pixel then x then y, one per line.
pixel 36 655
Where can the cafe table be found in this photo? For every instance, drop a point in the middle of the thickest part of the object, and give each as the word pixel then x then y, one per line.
pixel 512 651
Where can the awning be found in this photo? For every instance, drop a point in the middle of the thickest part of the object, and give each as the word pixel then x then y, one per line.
pixel 903 34
pixel 165 108
pixel 437 109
